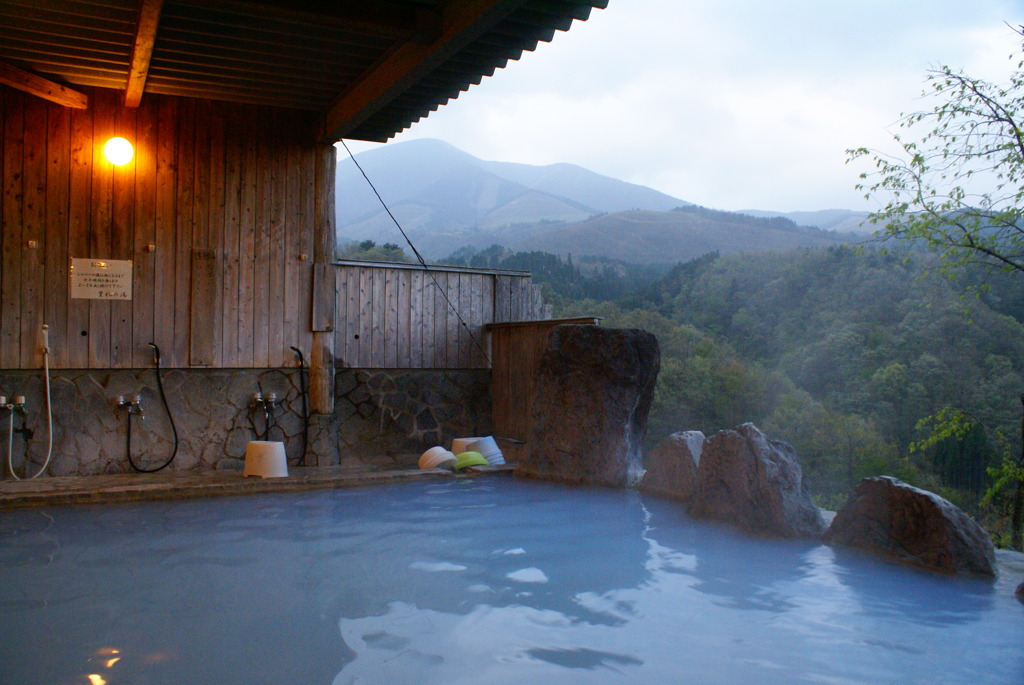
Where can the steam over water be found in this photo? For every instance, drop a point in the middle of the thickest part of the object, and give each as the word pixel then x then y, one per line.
pixel 472 581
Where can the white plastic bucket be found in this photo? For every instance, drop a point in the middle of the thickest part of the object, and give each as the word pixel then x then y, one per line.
pixel 436 457
pixel 489 449
pixel 460 445
pixel 266 459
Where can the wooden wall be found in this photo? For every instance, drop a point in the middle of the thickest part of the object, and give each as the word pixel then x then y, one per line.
pixel 400 316
pixel 223 193
pixel 516 353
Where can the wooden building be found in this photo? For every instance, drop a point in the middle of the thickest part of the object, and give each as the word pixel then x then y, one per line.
pixel 221 226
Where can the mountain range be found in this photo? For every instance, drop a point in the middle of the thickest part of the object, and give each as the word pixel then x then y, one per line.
pixel 447 199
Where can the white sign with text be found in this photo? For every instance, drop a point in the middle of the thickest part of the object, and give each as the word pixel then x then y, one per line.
pixel 101 279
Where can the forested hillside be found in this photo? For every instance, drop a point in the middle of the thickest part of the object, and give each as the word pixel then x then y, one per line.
pixel 843 353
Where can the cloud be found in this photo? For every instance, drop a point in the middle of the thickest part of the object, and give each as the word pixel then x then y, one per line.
pixel 735 105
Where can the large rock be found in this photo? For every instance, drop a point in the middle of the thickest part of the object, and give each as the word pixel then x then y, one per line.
pixel 672 465
pixel 755 484
pixel 593 390
pixel 890 518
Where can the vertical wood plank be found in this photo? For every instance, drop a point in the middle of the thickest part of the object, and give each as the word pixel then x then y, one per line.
pixel 366 311
pixel 261 273
pixel 467 346
pixel 416 319
pixel 201 159
pixel 476 348
pixel 453 334
pixel 323 232
pixel 352 322
pixel 204 294
pixel 13 190
pixel 183 232
pixel 33 286
pixel 427 324
pixel 307 165
pixel 3 117
pixel 215 220
pixel 166 220
pixel 3 238
pixel 502 292
pixel 121 238
pixel 519 285
pixel 342 332
pixel 293 227
pixel 79 228
pixel 486 317
pixel 380 309
pixel 230 241
pixel 143 297
pixel 391 286
pixel 249 178
pixel 58 177
pixel 276 271
pixel 403 279
pixel 499 369
pixel 440 321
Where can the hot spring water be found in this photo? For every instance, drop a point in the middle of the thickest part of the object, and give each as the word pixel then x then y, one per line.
pixel 472 581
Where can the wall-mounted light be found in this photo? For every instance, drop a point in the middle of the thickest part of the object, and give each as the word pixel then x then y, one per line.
pixel 118 151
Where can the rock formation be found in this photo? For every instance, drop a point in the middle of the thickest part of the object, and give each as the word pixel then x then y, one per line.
pixel 754 483
pixel 593 391
pixel 672 465
pixel 890 518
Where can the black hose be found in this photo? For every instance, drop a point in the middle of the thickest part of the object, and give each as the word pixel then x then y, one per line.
pixel 305 405
pixel 174 430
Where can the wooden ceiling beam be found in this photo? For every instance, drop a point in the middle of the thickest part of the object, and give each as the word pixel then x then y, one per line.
pixel 41 87
pixel 463 21
pixel 381 18
pixel 142 50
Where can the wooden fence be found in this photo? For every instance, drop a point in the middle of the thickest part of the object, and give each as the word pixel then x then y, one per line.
pixel 400 316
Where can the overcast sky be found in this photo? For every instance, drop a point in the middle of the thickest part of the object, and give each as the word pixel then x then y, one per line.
pixel 731 104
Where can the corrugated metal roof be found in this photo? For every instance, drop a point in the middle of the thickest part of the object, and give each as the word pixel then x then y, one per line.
pixel 372 68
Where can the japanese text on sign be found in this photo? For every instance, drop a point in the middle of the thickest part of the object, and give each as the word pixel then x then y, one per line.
pixel 101 279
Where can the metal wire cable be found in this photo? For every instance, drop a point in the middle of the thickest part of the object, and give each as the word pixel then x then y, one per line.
pixel 419 257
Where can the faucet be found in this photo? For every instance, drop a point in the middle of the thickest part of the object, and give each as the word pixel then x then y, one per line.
pixel 134 406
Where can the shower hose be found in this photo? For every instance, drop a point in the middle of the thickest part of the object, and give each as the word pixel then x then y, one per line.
pixel 174 430
pixel 49 419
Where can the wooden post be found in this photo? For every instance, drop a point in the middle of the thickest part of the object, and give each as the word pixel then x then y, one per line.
pixel 321 362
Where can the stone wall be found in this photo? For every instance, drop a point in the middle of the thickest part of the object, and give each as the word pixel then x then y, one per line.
pixel 381 417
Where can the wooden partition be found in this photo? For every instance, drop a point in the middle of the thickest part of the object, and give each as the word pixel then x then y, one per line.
pixel 517 348
pixel 216 212
pixel 402 316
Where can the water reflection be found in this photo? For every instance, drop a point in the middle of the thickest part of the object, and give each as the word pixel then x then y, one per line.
pixel 909 594
pixel 737 570
pixel 471 581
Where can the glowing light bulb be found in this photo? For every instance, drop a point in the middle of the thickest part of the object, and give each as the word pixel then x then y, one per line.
pixel 118 151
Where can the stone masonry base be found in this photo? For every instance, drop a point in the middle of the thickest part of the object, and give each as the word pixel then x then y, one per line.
pixel 381 418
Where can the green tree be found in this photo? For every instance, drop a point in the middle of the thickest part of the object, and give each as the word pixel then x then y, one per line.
pixel 371 251
pixel 957 185
pixel 957 182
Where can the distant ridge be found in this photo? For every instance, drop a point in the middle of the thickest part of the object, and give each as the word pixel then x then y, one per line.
pixel 658 237
pixel 434 187
pixel 840 220
pixel 447 200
